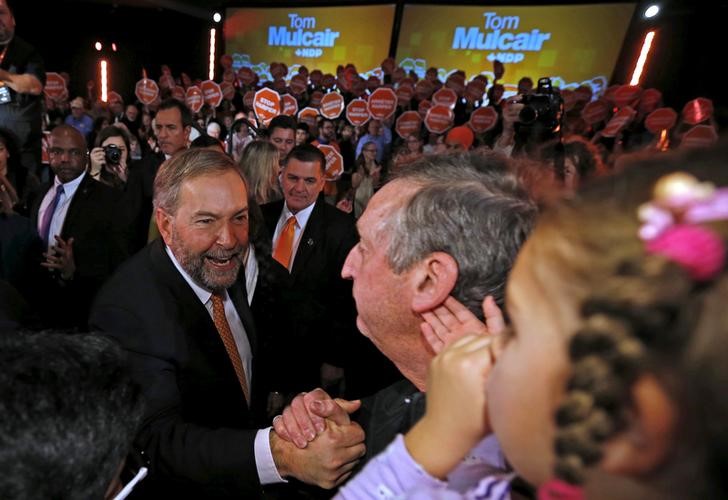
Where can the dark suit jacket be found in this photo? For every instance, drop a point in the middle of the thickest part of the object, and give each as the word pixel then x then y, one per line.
pixel 99 246
pixel 323 310
pixel 138 198
pixel 322 305
pixel 198 430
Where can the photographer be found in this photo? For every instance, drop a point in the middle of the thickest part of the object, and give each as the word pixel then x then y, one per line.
pixel 110 156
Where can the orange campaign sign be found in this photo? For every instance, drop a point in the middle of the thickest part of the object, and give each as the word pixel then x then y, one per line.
pixel 619 122
pixel 55 86
pixel 445 97
pixel 228 90
pixel 456 82
pixel 228 76
pixel 308 116
pixel 298 84
pixel 166 81
pixel 649 101
pixel 146 90
pixel 248 99
pixel 266 104
pixel 289 105
pixel 583 93
pixel 409 122
pixel 382 103
pixel 627 95
pixel 334 162
pixel 661 119
pixel 404 94
pixel 609 94
pixel 212 93
pixel 569 98
pixel 246 75
pixel 357 112
pixel 332 105
pixel 595 112
pixel 423 107
pixel 315 99
pixel 439 118
pixel 483 119
pixel 700 136
pixel 474 90
pixel 698 110
pixel 194 98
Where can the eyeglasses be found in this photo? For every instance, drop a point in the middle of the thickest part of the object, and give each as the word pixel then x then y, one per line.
pixel 370 150
pixel 72 153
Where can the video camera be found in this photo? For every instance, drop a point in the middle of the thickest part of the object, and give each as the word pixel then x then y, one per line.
pixel 544 107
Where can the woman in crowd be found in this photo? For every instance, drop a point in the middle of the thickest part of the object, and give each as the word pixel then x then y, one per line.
pixel 366 177
pixel 412 150
pixel 109 159
pixel 260 163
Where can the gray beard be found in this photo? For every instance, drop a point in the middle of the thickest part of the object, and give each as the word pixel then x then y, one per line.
pixel 202 274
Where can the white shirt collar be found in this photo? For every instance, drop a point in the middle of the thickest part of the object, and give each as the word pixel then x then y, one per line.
pixel 301 217
pixel 70 187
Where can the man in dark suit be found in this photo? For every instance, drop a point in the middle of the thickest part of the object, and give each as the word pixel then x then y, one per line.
pixel 83 238
pixel 312 240
pixel 172 127
pixel 179 307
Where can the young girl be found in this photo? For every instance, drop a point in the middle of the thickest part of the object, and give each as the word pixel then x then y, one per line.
pixel 612 381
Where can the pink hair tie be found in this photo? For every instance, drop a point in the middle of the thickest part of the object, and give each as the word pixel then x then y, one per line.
pixel 556 489
pixel 670 224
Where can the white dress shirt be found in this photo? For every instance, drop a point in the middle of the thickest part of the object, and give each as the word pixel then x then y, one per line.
pixel 267 471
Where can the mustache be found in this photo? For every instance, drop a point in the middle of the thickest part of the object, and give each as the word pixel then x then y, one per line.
pixel 236 252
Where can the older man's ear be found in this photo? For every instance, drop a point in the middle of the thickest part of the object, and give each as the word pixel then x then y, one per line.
pixel 434 279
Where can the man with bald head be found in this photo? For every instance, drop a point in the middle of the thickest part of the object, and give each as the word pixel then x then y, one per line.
pixel 82 237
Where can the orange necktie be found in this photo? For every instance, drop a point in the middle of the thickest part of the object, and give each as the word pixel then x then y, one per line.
pixel 284 247
pixel 223 328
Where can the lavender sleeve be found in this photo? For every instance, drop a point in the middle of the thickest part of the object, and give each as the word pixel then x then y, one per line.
pixel 394 474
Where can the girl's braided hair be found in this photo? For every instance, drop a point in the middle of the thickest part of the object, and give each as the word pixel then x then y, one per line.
pixel 640 314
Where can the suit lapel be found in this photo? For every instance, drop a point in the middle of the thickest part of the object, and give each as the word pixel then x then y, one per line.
pixel 193 314
pixel 78 205
pixel 310 239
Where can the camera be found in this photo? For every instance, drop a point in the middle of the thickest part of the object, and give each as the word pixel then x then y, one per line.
pixel 544 107
pixel 112 154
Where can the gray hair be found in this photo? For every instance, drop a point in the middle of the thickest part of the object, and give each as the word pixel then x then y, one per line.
pixel 470 207
pixel 185 166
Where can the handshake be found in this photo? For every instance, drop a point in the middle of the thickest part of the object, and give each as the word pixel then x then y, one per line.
pixel 315 440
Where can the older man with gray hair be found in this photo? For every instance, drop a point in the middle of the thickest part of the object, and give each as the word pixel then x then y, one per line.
pixel 447 229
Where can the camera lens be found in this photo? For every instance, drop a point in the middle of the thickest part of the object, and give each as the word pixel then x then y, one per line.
pixel 112 154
